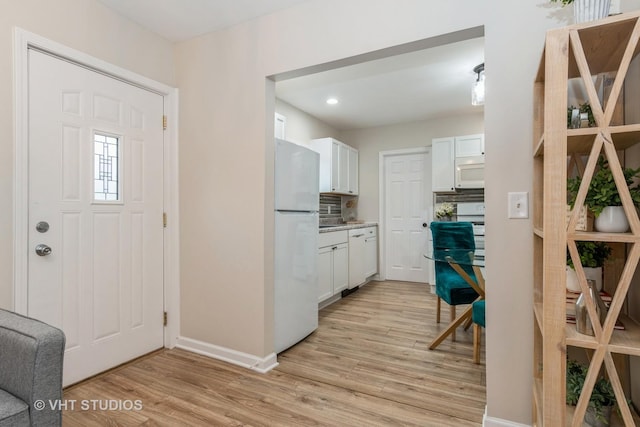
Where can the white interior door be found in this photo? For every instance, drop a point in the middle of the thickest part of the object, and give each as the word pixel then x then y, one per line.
pixel 96 200
pixel 407 200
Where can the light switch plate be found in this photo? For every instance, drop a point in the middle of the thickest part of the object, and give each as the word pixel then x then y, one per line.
pixel 518 205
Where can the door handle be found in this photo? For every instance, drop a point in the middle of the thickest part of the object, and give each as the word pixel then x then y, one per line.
pixel 43 250
pixel 424 225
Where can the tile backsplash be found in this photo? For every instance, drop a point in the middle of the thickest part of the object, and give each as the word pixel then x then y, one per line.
pixel 336 209
pixel 330 208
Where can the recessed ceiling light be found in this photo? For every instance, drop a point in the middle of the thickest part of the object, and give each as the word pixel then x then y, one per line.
pixel 332 101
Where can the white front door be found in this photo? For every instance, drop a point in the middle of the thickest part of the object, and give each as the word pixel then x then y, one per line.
pixel 96 200
pixel 407 201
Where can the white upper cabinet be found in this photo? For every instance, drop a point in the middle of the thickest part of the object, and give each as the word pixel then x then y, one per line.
pixel 338 166
pixel 470 145
pixel 457 162
pixel 442 164
pixel 352 184
pixel 331 171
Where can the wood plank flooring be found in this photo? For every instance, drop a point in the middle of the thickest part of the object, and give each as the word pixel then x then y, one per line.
pixel 368 364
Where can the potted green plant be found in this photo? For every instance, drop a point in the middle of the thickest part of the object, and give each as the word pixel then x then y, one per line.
pixel 603 197
pixel 592 257
pixel 602 398
pixel 582 108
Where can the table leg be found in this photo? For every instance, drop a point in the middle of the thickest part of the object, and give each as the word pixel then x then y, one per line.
pixel 468 323
pixel 451 328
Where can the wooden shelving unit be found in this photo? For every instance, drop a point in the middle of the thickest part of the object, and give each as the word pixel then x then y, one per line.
pixel 579 52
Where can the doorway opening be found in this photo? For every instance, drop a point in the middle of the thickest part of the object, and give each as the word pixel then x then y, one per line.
pixel 397 98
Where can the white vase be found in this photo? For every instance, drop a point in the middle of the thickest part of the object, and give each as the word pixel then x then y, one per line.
pixel 595 274
pixel 594 421
pixel 572 280
pixel 590 10
pixel 592 273
pixel 612 219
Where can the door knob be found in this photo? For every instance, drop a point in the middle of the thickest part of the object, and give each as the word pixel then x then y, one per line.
pixel 43 250
pixel 424 224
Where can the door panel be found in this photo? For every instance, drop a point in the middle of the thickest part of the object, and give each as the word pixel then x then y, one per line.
pixel 96 177
pixel 296 275
pixel 407 199
pixel 325 273
pixel 341 268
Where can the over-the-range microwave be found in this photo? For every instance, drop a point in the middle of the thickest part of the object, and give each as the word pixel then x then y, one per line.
pixel 470 172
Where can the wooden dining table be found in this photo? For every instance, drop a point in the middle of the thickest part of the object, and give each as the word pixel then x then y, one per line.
pixel 458 259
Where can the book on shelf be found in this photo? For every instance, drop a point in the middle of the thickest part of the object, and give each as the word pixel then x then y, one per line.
pixel 604 295
pixel 572 297
pixel 572 320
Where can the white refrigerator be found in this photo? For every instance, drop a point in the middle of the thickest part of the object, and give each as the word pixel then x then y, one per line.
pixel 296 243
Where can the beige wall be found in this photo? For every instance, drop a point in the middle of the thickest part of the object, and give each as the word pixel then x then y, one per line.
pixel 85 25
pixel 226 149
pixel 225 154
pixel 302 127
pixel 371 141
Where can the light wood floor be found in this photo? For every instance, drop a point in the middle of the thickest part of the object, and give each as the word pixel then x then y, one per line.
pixel 368 364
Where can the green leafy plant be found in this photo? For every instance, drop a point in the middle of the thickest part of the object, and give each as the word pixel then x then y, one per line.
pixel 582 108
pixel 592 254
pixel 602 189
pixel 601 397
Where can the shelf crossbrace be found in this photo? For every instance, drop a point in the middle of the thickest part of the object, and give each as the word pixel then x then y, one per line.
pixel 585 73
pixel 603 144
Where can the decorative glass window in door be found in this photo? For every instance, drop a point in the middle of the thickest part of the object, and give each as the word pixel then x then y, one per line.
pixel 106 167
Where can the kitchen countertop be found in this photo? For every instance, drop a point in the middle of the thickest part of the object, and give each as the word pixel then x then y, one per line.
pixel 347 227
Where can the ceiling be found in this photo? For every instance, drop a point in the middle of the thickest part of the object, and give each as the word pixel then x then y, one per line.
pixel 419 85
pixel 179 20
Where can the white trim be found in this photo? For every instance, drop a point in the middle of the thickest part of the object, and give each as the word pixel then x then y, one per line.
pixel 23 40
pixel 282 119
pixel 255 363
pixel 172 232
pixel 20 172
pixel 382 274
pixel 497 422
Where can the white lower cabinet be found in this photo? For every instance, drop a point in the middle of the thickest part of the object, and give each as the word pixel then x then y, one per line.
pixel 371 252
pixel 333 264
pixel 363 255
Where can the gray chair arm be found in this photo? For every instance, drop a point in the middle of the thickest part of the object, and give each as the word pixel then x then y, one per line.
pixel 31 359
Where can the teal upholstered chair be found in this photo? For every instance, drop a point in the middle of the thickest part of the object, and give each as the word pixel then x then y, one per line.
pixel 477 316
pixel 450 286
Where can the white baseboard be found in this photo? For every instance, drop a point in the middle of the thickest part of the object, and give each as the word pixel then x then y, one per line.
pixel 239 358
pixel 497 422
pixel 329 301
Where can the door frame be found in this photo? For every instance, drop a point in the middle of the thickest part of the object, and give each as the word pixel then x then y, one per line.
pixel 23 40
pixel 382 156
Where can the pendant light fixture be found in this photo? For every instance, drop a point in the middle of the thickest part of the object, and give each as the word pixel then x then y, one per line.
pixel 477 92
